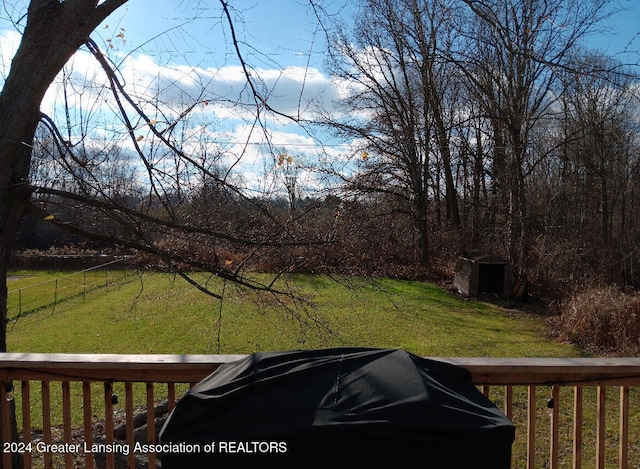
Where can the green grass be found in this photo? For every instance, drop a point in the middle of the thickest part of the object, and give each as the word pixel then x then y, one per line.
pixel 160 313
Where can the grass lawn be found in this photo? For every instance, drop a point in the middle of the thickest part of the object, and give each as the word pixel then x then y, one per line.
pixel 129 312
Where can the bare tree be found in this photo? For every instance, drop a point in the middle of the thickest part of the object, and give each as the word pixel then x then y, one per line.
pixel 514 51
pixel 400 85
pixel 597 145
pixel 53 33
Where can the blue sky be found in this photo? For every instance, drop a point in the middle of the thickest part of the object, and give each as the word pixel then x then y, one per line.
pixel 184 53
pixel 285 29
pixel 280 35
pixel 280 39
pixel 275 33
pixel 182 50
pixel 621 35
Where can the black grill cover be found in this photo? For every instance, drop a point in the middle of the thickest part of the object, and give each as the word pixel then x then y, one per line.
pixel 337 408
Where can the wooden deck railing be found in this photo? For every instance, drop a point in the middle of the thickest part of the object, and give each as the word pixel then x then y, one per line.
pixel 580 423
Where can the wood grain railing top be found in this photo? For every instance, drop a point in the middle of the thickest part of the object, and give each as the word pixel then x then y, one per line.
pixel 191 368
pixel 109 367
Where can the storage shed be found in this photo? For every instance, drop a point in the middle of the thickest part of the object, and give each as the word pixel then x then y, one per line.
pixel 479 272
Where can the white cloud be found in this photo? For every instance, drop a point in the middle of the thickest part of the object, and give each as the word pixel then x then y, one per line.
pixel 223 120
pixel 292 90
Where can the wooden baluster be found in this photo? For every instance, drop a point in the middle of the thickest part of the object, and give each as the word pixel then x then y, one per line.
pixel 623 452
pixel 555 426
pixel 26 421
pixel 508 402
pixel 128 391
pixel 87 423
pixel 577 427
pixel 5 405
pixel 531 428
pixel 151 423
pixel 66 422
pixel 46 422
pixel 171 396
pixel 108 422
pixel 486 390
pixel 600 428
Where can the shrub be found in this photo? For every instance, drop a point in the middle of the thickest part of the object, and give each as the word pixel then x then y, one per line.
pixel 604 320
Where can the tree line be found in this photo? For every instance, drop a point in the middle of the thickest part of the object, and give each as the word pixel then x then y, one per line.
pixel 493 123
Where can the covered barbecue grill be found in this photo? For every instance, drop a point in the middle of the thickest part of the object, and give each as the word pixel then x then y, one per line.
pixel 338 408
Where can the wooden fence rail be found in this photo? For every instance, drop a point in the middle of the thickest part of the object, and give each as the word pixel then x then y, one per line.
pixel 516 385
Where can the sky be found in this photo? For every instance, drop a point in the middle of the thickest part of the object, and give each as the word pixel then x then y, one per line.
pixel 181 50
pixel 622 33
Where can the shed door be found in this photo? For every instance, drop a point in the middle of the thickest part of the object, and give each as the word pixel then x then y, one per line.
pixel 491 278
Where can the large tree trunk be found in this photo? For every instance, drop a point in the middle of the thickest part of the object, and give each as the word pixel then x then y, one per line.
pixel 53 33
pixel 451 195
pixel 518 217
pixel 423 238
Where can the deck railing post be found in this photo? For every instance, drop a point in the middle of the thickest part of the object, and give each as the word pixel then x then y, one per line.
pixel 555 426
pixel 5 408
pixel 108 422
pixel 66 419
pixel 623 452
pixel 151 423
pixel 128 392
pixel 46 422
pixel 531 428
pixel 577 427
pixel 87 423
pixel 601 427
pixel 25 389
pixel 508 402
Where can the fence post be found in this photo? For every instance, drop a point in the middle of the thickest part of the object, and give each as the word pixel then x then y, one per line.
pixel 55 296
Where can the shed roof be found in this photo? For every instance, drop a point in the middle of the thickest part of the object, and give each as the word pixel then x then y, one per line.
pixel 483 257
